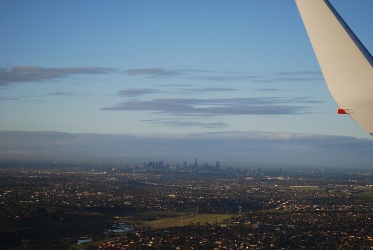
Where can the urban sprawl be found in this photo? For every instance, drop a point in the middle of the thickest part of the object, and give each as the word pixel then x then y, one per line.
pixel 191 206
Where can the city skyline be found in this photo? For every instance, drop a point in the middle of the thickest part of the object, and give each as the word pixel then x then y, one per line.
pixel 134 81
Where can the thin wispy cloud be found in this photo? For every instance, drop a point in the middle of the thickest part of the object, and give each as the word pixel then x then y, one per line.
pixel 148 91
pixel 299 73
pixel 215 107
pixel 187 123
pixel 204 75
pixel 191 74
pixel 154 72
pixel 208 90
pixel 225 78
pixel 268 90
pixel 176 85
pixel 287 79
pixel 137 92
pixel 291 76
pixel 151 72
pixel 61 93
pixel 9 99
pixel 36 74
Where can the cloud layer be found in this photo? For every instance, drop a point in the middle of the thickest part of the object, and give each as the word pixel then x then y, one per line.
pixel 137 92
pixel 253 149
pixel 35 74
pixel 204 75
pixel 214 107
pixel 151 72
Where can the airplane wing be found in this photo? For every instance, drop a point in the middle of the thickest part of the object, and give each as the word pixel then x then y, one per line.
pixel 346 64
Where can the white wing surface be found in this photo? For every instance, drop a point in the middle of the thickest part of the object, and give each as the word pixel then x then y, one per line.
pixel 346 64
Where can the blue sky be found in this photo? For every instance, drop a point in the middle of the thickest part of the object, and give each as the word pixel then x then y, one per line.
pixel 137 73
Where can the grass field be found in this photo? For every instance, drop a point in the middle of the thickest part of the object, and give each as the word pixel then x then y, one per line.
pixel 47 227
pixel 181 220
pixel 366 195
pixel 184 220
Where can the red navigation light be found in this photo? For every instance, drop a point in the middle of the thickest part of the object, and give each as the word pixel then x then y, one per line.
pixel 341 111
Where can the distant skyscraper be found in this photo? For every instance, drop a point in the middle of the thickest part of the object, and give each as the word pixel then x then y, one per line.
pixel 217 165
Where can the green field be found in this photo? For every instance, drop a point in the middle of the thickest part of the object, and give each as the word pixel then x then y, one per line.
pixel 44 226
pixel 170 221
pixel 184 220
pixel 366 195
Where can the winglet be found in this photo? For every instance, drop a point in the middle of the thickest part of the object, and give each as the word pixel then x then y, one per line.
pixel 346 64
